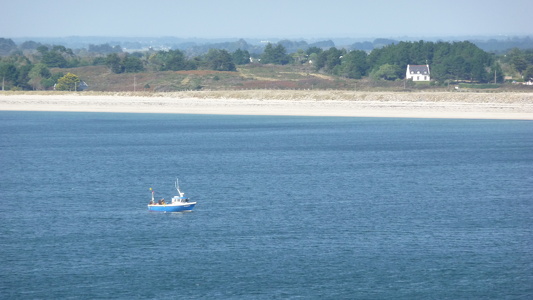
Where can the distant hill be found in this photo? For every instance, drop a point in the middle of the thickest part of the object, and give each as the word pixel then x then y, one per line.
pixel 199 46
pixel 500 46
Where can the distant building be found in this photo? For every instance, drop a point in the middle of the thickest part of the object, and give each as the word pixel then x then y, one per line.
pixel 82 86
pixel 418 73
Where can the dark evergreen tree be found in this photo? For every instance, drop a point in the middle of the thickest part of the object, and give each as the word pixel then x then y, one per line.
pixel 312 50
pixel 23 78
pixel 132 64
pixel 172 60
pixel 7 46
pixel 219 60
pixel 528 73
pixel 275 55
pixel 57 56
pixel 457 61
pixel 519 63
pixel 329 59
pixel 54 59
pixel 241 57
pixel 8 74
pixel 29 45
pixel 387 72
pixel 354 64
pixel 114 63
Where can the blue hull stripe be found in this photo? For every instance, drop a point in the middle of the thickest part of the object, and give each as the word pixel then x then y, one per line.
pixel 170 208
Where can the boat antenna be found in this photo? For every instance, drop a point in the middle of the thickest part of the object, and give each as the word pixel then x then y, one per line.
pixel 178 188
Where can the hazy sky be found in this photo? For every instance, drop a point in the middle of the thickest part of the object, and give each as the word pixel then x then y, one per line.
pixel 265 19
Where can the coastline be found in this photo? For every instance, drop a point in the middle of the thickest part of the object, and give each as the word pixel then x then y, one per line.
pixel 460 105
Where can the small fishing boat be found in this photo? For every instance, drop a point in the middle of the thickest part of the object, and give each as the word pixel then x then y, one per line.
pixel 178 203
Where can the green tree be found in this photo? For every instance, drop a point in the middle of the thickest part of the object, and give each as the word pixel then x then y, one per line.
pixel 54 59
pixel 519 59
pixel 528 56
pixel 314 50
pixel 48 83
pixel 8 74
pixel 478 70
pixel 458 60
pixel 387 72
pixel 132 64
pixel 519 63
pixel 60 48
pixel 57 56
pixel 300 57
pixel 29 45
pixel 528 73
pixel 313 58
pixel 172 60
pixel 219 60
pixel 329 59
pixel 241 57
pixel 23 77
pixel 7 46
pixel 69 82
pixel 99 60
pixel 275 55
pixel 354 64
pixel 37 74
pixel 114 63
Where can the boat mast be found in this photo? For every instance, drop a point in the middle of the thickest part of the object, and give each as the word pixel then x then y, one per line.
pixel 178 188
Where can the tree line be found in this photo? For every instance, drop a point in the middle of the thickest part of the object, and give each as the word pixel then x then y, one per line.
pixel 28 66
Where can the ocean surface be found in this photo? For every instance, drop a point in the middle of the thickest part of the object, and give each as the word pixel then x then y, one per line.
pixel 288 207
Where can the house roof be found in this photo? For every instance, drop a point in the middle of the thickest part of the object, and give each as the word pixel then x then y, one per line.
pixel 418 69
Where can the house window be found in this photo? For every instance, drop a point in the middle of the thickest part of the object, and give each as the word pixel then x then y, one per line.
pixel 417 77
pixel 425 78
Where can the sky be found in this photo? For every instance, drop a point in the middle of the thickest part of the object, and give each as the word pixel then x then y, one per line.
pixel 265 19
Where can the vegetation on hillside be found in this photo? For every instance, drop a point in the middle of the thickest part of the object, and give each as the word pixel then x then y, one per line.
pixel 34 66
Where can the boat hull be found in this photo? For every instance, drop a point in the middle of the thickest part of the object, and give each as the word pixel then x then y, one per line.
pixel 171 207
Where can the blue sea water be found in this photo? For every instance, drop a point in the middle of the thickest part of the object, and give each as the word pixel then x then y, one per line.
pixel 288 207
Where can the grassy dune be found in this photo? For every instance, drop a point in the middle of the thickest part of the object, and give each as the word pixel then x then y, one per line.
pixel 314 95
pixel 254 77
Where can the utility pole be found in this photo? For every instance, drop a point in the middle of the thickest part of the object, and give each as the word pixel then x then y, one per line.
pixel 494 76
pixel 134 82
pixel 3 78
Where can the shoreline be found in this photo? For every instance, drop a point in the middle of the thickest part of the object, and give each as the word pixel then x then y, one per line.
pixel 508 106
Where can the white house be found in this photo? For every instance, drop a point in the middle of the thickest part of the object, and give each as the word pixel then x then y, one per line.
pixel 417 72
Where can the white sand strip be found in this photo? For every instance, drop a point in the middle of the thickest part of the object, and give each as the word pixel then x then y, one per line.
pixel 403 105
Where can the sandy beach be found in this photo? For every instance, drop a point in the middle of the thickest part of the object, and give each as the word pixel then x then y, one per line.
pixel 464 105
